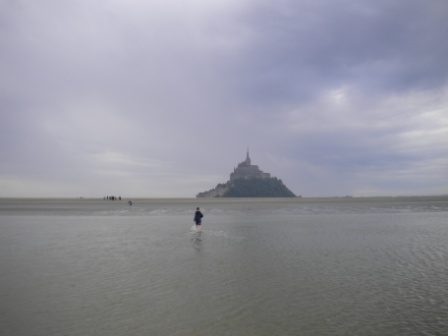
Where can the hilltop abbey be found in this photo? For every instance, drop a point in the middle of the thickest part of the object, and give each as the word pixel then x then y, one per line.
pixel 247 171
pixel 247 180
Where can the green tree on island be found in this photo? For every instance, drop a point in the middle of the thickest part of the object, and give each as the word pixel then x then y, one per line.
pixel 271 187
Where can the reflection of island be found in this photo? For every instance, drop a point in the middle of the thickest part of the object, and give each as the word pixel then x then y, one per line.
pixel 247 180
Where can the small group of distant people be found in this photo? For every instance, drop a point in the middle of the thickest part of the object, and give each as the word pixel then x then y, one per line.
pixel 112 198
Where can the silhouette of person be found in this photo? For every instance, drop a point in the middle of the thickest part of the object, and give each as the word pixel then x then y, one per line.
pixel 198 219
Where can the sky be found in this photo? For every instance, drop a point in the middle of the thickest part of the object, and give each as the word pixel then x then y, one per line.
pixel 163 98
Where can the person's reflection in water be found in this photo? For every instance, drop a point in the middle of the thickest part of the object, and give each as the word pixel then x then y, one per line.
pixel 197 240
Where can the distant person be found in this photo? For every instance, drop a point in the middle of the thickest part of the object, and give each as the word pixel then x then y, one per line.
pixel 198 219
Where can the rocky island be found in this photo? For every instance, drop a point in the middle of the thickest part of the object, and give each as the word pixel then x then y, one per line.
pixel 247 180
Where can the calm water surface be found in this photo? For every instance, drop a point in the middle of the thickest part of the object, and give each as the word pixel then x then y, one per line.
pixel 260 267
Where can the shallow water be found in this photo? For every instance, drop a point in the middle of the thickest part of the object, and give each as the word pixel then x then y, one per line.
pixel 259 267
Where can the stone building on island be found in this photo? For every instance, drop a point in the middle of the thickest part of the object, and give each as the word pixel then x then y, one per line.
pixel 246 170
pixel 247 180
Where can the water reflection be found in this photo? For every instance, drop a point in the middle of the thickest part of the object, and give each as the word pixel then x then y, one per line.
pixel 196 240
pixel 337 267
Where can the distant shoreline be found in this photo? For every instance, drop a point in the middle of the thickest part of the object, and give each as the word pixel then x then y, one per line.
pixel 227 199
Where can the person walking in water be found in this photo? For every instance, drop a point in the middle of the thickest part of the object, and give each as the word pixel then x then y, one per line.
pixel 198 219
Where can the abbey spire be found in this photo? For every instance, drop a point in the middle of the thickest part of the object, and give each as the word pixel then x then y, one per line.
pixel 246 170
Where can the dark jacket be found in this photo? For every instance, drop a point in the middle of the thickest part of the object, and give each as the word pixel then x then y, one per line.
pixel 197 217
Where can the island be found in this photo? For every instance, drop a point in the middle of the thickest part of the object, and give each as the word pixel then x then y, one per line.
pixel 247 180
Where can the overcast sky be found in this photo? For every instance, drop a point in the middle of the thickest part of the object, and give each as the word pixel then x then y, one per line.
pixel 162 98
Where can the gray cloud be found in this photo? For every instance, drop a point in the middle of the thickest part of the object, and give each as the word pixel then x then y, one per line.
pixel 300 48
pixel 162 99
